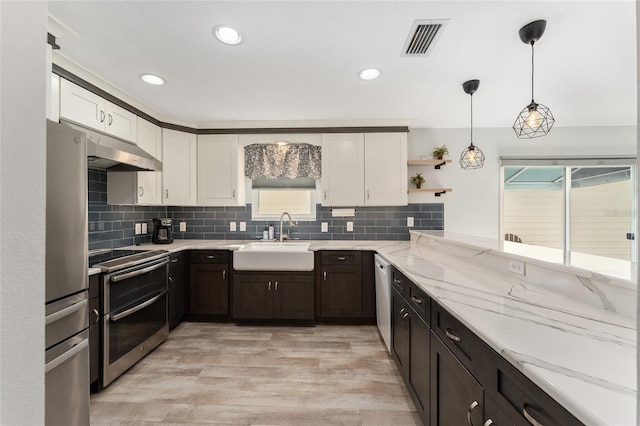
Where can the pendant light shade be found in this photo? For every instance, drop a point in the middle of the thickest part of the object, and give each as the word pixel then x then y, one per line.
pixel 472 157
pixel 535 119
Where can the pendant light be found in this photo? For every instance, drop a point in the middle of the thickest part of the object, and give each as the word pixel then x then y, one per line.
pixel 472 157
pixel 535 119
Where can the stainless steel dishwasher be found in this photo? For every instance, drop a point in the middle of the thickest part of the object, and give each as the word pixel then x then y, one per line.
pixel 383 299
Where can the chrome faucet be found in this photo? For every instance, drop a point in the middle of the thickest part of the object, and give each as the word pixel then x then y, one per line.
pixel 282 236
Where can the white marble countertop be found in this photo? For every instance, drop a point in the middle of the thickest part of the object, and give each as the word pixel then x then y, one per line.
pixel 582 355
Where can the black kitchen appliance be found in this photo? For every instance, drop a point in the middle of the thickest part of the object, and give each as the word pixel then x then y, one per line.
pixel 161 231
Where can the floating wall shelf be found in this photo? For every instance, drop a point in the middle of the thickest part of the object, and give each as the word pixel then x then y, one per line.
pixel 436 163
pixel 437 191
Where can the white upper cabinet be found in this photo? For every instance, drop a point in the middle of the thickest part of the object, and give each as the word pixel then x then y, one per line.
pixel 142 188
pixel 88 109
pixel 342 169
pixel 385 169
pixel 179 151
pixel 364 169
pixel 220 177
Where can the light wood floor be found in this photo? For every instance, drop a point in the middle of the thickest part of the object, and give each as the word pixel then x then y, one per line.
pixel 209 373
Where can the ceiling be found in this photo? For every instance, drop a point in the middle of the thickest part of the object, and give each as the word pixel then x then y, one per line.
pixel 299 60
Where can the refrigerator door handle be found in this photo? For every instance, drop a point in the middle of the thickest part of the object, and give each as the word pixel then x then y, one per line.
pixel 65 312
pixel 66 356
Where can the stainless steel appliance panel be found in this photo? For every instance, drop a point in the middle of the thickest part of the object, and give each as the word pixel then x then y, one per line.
pixel 66 223
pixel 67 365
pixel 383 299
pixel 65 318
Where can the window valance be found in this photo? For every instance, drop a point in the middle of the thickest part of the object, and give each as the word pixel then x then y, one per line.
pixel 273 161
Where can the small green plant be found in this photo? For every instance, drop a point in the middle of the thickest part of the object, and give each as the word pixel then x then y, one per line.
pixel 417 180
pixel 439 153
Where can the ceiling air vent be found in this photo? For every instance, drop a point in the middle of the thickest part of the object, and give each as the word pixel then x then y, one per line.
pixel 423 35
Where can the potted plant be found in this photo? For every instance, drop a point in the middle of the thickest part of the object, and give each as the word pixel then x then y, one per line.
pixel 417 180
pixel 439 153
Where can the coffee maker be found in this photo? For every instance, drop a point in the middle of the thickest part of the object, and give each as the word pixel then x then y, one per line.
pixel 161 231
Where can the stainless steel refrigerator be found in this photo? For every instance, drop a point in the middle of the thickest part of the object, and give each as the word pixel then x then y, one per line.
pixel 66 309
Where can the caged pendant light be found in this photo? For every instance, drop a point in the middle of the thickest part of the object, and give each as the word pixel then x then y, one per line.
pixel 472 157
pixel 535 119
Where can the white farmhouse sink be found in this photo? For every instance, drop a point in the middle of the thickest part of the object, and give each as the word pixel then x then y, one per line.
pixel 267 256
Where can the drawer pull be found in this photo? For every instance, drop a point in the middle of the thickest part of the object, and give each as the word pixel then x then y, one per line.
pixel 406 314
pixel 402 311
pixel 529 417
pixel 489 422
pixel 472 407
pixel 276 285
pixel 174 260
pixel 224 274
pixel 269 288
pixel 451 336
pixel 397 281
pixel 210 257
pixel 416 300
pixel 342 258
pixel 324 276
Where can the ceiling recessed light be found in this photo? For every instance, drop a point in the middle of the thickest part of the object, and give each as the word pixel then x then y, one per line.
pixel 227 35
pixel 152 79
pixel 369 74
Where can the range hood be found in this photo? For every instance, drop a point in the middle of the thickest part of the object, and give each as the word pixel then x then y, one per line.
pixel 106 152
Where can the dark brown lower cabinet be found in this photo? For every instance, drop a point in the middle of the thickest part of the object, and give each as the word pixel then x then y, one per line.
pixel 209 289
pixel 341 291
pixel 456 397
pixel 273 297
pixel 410 347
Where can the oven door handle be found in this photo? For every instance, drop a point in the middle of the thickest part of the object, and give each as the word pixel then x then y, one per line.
pixel 136 308
pixel 132 274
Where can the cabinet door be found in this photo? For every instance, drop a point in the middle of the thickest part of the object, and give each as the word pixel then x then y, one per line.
pixel 209 289
pixel 385 169
pixel 400 332
pixel 341 291
pixel 343 169
pixel 149 184
pixel 253 297
pixel 121 123
pixel 293 297
pixel 218 180
pixel 178 168
pixel 82 106
pixel 177 294
pixel 418 373
pixel 456 396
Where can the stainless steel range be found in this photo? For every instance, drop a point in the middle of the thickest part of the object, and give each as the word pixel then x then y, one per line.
pixel 134 307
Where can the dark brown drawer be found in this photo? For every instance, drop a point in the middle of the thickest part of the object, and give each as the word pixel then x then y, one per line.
pixel 521 399
pixel 342 258
pixel 210 256
pixel 399 282
pixel 420 302
pixel 177 260
pixel 464 344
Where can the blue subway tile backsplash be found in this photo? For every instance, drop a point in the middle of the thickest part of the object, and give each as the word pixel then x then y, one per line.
pixel 113 226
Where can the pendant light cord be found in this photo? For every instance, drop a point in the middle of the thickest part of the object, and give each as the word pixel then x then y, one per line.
pixel 471 119
pixel 532 69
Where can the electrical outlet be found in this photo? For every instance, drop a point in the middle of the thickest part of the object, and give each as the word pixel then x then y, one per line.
pixel 138 228
pixel 410 221
pixel 232 226
pixel 324 227
pixel 144 227
pixel 517 266
pixel 349 226
pixel 243 226
pixel 183 226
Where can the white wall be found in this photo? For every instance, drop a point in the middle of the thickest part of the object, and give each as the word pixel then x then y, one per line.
pixel 474 205
pixel 23 32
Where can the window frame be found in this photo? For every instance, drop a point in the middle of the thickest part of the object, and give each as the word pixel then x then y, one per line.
pixel 255 207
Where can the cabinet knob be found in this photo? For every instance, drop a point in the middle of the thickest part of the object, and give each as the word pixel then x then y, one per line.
pixel 472 407
pixel 451 336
